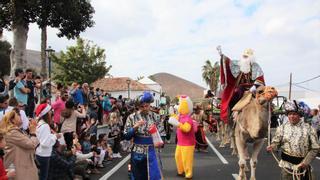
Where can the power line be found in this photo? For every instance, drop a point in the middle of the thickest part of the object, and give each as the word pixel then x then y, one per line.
pixel 286 84
pixel 304 87
pixel 308 80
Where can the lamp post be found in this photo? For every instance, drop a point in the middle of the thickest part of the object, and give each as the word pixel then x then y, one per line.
pixel 128 82
pixel 49 52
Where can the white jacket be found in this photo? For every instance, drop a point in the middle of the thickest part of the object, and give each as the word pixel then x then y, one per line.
pixel 46 139
pixel 80 156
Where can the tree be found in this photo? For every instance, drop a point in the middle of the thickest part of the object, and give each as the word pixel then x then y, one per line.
pixel 81 63
pixel 211 74
pixel 70 16
pixel 5 48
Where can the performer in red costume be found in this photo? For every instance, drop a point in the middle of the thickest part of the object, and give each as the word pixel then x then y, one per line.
pixel 236 78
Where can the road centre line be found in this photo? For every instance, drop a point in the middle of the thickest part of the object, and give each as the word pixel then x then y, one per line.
pixel 122 162
pixel 116 168
pixel 223 160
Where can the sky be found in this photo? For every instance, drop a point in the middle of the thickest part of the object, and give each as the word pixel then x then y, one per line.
pixel 143 37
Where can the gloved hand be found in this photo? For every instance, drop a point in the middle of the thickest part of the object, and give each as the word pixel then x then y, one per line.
pixel 173 121
pixel 299 166
pixel 253 89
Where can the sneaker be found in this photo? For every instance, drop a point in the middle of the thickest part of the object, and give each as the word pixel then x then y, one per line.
pixel 100 166
pixel 118 155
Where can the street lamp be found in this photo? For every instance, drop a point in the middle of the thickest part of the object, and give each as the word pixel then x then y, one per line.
pixel 128 82
pixel 49 52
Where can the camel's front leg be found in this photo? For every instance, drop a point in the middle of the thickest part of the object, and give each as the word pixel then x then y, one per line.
pixel 218 134
pixel 253 162
pixel 223 134
pixel 233 145
pixel 228 133
pixel 241 147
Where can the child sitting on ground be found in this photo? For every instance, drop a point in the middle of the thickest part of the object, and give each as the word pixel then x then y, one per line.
pixel 103 145
pixel 89 146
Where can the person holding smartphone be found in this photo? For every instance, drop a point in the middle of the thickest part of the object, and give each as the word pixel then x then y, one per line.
pixel 69 121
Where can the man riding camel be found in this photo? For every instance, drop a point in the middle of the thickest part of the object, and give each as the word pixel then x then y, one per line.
pixel 236 78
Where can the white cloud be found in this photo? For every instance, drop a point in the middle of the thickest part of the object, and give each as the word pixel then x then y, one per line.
pixel 146 37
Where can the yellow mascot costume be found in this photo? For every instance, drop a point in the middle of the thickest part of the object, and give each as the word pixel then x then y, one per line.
pixel 186 137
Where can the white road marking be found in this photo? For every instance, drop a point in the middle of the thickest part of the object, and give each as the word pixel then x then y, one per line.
pixel 318 158
pixel 113 170
pixel 223 160
pixel 235 176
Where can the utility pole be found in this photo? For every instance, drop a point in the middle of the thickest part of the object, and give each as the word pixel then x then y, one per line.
pixel 290 85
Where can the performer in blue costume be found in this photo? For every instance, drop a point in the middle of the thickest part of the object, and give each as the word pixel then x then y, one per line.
pixel 144 164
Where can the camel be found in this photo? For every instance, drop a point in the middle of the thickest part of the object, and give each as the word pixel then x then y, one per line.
pixel 251 126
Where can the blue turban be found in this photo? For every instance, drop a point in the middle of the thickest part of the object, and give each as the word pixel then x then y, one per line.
pixel 146 97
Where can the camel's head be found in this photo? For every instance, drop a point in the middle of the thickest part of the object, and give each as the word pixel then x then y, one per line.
pixel 265 94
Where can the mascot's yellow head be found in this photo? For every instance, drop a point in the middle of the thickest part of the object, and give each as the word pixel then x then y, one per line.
pixel 185 105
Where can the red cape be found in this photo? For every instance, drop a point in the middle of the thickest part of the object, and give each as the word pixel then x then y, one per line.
pixel 229 81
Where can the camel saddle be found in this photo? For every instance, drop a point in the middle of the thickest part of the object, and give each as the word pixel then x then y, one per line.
pixel 246 98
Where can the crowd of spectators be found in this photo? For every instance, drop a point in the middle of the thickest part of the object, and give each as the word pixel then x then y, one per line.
pixel 52 133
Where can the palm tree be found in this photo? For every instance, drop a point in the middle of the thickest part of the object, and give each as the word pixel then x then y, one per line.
pixel 210 74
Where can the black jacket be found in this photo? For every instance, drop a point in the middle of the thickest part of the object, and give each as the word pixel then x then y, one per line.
pixel 60 167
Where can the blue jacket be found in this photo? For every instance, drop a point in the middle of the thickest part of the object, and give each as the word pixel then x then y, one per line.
pixel 77 96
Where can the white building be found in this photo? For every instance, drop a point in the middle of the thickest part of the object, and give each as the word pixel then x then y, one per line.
pixel 124 86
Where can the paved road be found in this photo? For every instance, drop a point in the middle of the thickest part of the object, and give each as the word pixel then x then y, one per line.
pixel 208 165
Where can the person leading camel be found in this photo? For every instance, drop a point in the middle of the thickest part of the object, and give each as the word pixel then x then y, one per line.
pixel 298 143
